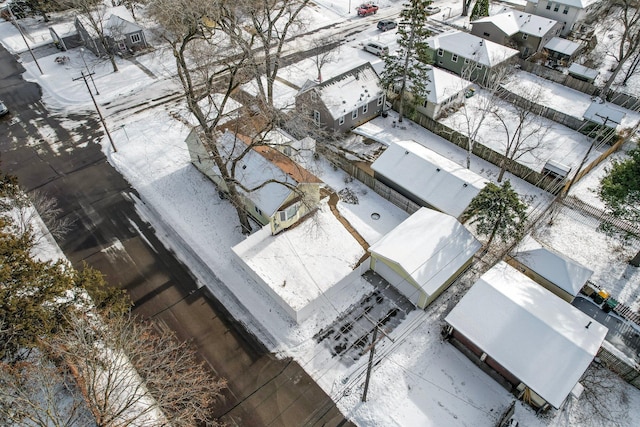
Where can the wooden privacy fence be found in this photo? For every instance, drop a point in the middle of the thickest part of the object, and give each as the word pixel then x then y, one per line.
pixel 622 99
pixel 629 373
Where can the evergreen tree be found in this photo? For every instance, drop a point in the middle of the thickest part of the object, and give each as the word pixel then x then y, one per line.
pixel 407 71
pixel 497 211
pixel 480 10
pixel 620 192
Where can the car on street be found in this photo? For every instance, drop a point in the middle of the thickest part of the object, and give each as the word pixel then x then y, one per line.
pixel 387 24
pixel 367 9
pixel 377 49
pixel 432 10
pixel 3 109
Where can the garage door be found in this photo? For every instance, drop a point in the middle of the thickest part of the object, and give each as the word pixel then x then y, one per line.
pixel 406 289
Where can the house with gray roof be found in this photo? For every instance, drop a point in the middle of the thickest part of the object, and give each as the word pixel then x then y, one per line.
pixel 345 101
pixel 467 55
pixel 527 32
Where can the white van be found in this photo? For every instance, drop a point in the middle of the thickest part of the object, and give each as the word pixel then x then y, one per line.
pixel 376 48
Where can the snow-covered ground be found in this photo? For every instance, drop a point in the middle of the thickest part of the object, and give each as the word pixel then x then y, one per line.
pixel 418 379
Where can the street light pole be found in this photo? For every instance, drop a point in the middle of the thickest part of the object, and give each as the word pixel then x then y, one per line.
pixel 15 22
pixel 87 67
pixel 104 125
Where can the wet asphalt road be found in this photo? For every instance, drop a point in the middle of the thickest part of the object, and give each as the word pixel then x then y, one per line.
pixel 66 163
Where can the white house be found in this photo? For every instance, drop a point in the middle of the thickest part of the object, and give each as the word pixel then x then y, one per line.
pixel 446 90
pixel 540 344
pixel 569 12
pixel 423 255
pixel 427 178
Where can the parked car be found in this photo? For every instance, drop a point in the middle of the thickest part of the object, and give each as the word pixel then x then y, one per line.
pixel 376 48
pixel 367 9
pixel 3 109
pixel 432 10
pixel 387 24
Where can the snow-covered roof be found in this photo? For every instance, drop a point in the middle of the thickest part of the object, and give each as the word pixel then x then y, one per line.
pixel 116 22
pixel 559 269
pixel 581 70
pixel 541 339
pixel 580 4
pixel 430 246
pixel 440 182
pixel 604 114
pixel 558 44
pixel 259 165
pixel 442 85
pixel 475 48
pixel 513 22
pixel 64 29
pixel 348 91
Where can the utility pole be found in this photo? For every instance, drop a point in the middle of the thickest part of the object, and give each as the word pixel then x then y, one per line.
pixel 15 22
pixel 373 349
pixel 104 125
pixel 87 67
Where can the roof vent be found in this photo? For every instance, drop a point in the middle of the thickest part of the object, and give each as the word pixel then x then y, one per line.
pixel 480 42
pixel 437 169
pixel 464 185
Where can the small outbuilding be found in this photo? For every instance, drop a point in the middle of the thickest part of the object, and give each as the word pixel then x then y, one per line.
pixel 535 343
pixel 445 91
pixel 427 178
pixel 423 255
pixel 583 73
pixel 562 50
pixel 558 273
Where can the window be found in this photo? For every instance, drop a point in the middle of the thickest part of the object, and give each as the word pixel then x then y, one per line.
pixel 548 6
pixel 258 210
pixel 486 34
pixel 440 52
pixel 525 36
pixel 556 7
pixel 135 38
pixel 454 57
pixel 478 66
pixel 289 212
pixel 466 61
pixel 314 96
pixel 566 10
pixel 316 117
pixel 341 120
pixel 354 114
pixel 380 100
pixel 365 108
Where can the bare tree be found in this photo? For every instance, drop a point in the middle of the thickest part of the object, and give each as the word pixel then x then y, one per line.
pixel 627 18
pixel 269 24
pixel 525 131
pixel 39 393
pixel 324 52
pixel 474 112
pixel 131 372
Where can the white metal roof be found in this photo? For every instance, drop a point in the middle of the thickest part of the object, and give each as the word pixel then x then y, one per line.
pixel 430 246
pixel 442 183
pixel 541 339
pixel 559 269
pixel 581 70
pixel 475 48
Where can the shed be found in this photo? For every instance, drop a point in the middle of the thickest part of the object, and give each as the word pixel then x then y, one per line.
pixel 583 73
pixel 604 114
pixel 427 178
pixel 540 344
pixel 423 255
pixel 562 49
pixel 558 273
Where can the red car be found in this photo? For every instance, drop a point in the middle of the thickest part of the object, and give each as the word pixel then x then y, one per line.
pixel 367 9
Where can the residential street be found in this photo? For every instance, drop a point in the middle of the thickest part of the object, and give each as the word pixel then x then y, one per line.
pixel 109 234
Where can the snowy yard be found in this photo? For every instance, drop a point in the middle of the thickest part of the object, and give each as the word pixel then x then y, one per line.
pixel 419 380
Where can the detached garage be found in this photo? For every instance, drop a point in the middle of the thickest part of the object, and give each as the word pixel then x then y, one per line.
pixel 423 255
